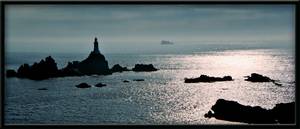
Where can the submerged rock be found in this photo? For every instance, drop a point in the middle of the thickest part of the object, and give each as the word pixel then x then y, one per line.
pixel 83 85
pixel 205 78
pixel 138 80
pixel 118 68
pixel 100 85
pixel 42 89
pixel 260 78
pixel 144 68
pixel 233 111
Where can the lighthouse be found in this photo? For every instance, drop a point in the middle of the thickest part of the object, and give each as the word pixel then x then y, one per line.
pixel 96 48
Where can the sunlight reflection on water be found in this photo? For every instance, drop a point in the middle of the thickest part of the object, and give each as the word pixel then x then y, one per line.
pixel 163 98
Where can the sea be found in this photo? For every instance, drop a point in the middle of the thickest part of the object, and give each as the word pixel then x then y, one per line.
pixel 161 99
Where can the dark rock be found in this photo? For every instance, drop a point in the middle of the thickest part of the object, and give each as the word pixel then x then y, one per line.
pixel 11 73
pixel 138 80
pixel 260 78
pixel 38 71
pixel 71 70
pixel 205 78
pixel 23 71
pixel 233 111
pixel 209 114
pixel 118 68
pixel 100 85
pixel 284 112
pixel 72 65
pixel 125 81
pixel 144 68
pixel 42 89
pixel 94 64
pixel 83 85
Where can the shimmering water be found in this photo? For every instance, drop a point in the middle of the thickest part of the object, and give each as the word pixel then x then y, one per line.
pixel 163 98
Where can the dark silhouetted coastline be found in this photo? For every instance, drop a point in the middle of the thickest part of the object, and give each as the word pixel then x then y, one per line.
pixel 233 111
pixel 205 78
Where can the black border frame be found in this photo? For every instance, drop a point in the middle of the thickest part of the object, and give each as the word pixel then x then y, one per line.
pixel 2 68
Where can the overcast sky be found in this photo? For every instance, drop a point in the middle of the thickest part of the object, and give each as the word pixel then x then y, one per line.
pixel 57 28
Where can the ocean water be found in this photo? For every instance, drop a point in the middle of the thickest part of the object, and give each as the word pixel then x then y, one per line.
pixel 163 98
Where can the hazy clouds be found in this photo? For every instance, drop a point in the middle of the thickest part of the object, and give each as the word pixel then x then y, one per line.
pixel 69 27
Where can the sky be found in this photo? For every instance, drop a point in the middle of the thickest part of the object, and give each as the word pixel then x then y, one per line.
pixel 72 28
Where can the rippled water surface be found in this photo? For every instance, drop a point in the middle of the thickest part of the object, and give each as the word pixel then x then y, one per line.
pixel 163 98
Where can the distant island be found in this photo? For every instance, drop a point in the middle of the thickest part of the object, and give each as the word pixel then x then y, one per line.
pixel 164 42
pixel 95 63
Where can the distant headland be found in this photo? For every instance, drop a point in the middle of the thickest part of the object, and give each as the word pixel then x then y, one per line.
pixel 95 63
pixel 164 42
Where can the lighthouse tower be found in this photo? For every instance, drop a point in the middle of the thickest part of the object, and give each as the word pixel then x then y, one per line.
pixel 96 48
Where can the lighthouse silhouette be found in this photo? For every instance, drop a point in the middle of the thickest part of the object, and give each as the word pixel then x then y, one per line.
pixel 96 48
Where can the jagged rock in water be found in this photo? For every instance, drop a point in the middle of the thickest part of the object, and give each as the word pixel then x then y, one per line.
pixel 23 71
pixel 125 81
pixel 100 85
pixel 144 68
pixel 233 111
pixel 205 78
pixel 71 70
pixel 260 78
pixel 83 85
pixel 118 68
pixel 11 73
pixel 38 71
pixel 94 64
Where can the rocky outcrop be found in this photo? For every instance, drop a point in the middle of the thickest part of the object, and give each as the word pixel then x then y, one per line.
pixel 260 78
pixel 233 111
pixel 100 85
pixel 38 71
pixel 11 73
pixel 125 81
pixel 83 85
pixel 144 68
pixel 205 78
pixel 71 70
pixel 94 64
pixel 118 68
